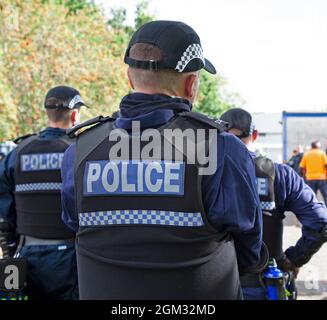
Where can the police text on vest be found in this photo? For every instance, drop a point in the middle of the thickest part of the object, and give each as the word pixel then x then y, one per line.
pixel 134 177
pixel 42 161
pixel 263 186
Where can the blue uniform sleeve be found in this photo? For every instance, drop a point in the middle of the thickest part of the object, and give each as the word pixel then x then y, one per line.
pixel 7 187
pixel 69 212
pixel 293 194
pixel 231 200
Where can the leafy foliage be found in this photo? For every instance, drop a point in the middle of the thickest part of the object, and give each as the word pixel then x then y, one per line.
pixel 45 43
pixel 8 113
pixel 142 14
pixel 73 6
pixel 213 98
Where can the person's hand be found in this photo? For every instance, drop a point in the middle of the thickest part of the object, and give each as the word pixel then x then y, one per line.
pixel 288 266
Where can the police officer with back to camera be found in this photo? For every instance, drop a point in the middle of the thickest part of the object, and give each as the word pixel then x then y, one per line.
pixel 30 209
pixel 280 189
pixel 155 228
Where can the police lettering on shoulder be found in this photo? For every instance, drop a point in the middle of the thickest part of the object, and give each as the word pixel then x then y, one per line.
pixel 150 223
pixel 30 184
pixel 280 189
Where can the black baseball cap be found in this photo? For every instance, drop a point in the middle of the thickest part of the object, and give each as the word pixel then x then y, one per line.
pixel 240 119
pixel 63 97
pixel 179 43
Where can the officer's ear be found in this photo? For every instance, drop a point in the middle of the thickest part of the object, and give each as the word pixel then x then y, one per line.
pixel 130 81
pixel 74 117
pixel 191 87
pixel 255 135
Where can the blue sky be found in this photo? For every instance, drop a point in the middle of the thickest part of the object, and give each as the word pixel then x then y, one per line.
pixel 272 52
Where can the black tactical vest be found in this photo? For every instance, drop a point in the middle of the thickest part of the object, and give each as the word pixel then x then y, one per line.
pixel 37 188
pixel 141 240
pixel 272 221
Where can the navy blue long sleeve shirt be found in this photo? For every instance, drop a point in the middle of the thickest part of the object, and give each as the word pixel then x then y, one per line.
pixel 293 194
pixel 229 196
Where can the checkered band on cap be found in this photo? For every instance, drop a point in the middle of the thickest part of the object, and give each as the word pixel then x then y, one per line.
pixel 194 51
pixel 77 99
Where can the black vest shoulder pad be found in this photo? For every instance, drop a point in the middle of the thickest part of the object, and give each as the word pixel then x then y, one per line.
pixel 20 139
pixel 66 139
pixel 26 141
pixel 87 125
pixel 214 123
pixel 90 138
pixel 266 166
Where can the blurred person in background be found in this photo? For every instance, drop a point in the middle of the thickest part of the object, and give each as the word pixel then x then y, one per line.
pixel 295 160
pixel 280 190
pixel 314 168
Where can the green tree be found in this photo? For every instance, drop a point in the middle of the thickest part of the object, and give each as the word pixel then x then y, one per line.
pixel 213 98
pixel 121 32
pixel 8 114
pixel 118 18
pixel 143 14
pixel 73 6
pixel 119 27
pixel 42 45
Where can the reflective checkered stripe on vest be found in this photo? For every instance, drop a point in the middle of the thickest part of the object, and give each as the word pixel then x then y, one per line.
pixel 143 230
pixel 272 220
pixel 37 188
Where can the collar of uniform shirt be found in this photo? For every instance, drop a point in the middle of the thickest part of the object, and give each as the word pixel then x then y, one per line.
pixel 51 132
pixel 150 110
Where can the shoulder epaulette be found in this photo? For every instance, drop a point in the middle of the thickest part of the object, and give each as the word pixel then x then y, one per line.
pixel 215 123
pixel 20 139
pixel 87 125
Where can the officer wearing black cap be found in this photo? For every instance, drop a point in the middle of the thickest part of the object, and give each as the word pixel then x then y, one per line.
pixel 151 226
pixel 30 209
pixel 280 189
